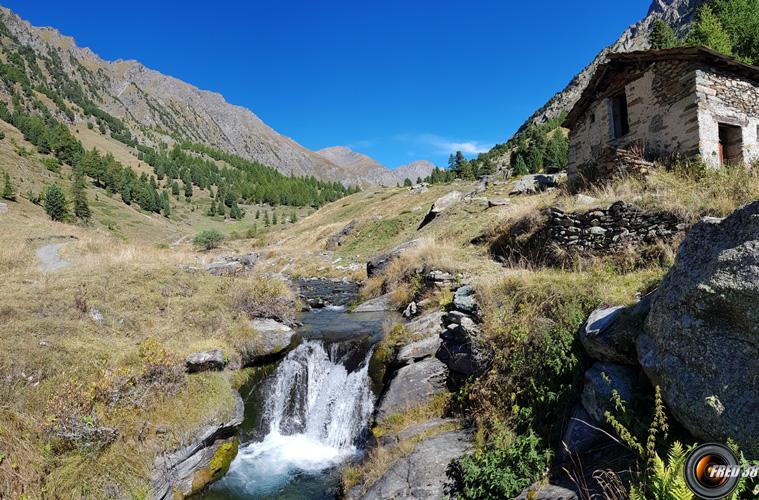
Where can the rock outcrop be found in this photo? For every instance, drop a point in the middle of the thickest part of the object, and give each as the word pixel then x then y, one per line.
pixel 378 304
pixel 204 361
pixel 197 464
pixel 441 205
pixel 232 265
pixel 337 239
pixel 412 385
pixel 421 474
pixel 701 340
pixel 611 333
pixel 380 263
pixel 535 183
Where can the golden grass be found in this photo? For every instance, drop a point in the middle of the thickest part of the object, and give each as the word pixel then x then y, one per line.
pixel 50 341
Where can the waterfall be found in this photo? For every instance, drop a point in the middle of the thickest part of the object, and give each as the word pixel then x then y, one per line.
pixel 314 394
pixel 315 410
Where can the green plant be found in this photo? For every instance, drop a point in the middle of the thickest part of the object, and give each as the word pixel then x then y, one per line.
pixel 56 205
pixel 9 192
pixel 502 469
pixel 207 239
pixel 665 480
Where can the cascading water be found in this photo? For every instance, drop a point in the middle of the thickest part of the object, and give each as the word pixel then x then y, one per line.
pixel 315 410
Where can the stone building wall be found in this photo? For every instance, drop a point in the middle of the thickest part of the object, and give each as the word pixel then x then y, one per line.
pixel 723 98
pixel 662 113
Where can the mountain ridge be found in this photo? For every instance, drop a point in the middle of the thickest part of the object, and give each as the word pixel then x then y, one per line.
pixel 372 169
pixel 154 104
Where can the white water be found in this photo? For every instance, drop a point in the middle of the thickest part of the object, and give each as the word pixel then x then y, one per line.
pixel 315 410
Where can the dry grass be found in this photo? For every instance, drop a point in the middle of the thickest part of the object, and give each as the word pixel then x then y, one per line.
pixel 52 350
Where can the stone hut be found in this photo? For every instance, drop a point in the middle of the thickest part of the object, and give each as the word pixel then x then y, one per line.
pixel 686 101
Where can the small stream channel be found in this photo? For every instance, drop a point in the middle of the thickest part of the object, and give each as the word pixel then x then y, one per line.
pixel 308 414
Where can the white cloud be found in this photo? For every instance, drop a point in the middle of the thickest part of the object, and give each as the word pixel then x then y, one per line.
pixel 445 145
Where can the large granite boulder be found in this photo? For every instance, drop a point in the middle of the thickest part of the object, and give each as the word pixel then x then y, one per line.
pixel 441 205
pixel 701 339
pixel 421 473
pixel 412 385
pixel 380 263
pixel 276 339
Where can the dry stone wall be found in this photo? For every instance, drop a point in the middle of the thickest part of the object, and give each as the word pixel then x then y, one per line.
pixel 598 231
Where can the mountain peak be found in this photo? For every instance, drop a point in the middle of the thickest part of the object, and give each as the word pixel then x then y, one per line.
pixel 371 168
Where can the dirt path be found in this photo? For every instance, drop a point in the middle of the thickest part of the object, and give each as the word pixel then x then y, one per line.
pixel 50 258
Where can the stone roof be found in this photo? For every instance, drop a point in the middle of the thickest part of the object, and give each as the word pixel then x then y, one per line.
pixel 620 60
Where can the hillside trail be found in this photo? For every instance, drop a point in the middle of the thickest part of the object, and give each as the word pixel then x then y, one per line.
pixel 50 257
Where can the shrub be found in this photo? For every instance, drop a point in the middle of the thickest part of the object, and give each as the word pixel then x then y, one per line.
pixel 502 469
pixel 207 239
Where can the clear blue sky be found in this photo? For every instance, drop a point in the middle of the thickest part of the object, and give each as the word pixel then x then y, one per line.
pixel 397 80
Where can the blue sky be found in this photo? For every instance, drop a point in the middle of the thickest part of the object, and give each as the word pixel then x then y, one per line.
pixel 397 80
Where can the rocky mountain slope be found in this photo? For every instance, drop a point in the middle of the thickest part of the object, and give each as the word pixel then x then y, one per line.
pixel 156 107
pixel 677 13
pixel 372 170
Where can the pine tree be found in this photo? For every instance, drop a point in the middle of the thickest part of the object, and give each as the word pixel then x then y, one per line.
pixel 165 204
pixel 175 188
pixel 81 207
pixel 211 210
pixel 293 217
pixel 267 223
pixel 556 151
pixel 708 31
pixel 274 219
pixel 55 204
pixel 125 187
pixel 9 192
pixel 187 191
pixel 235 212
pixel 662 35
pixel 220 208
pixel 407 182
pixel 258 214
pixel 520 167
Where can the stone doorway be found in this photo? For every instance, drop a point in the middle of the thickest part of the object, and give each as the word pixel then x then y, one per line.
pixel 730 144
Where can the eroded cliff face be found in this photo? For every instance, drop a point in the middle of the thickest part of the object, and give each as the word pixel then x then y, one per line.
pixel 677 13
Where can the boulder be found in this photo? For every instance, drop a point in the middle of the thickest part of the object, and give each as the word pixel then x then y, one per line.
pixel 610 333
pixel 441 205
pixel 439 279
pixel 379 263
pixel 276 339
pixel 600 379
pixel 701 339
pixel 581 434
pixel 421 473
pixel 205 361
pixel 429 324
pixel 379 304
pixel 534 183
pixel 337 239
pixel 463 300
pixel 418 350
pixel 419 188
pixel 412 386
pixel 410 310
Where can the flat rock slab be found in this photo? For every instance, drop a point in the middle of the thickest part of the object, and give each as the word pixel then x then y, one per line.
pixel 418 350
pixel 421 474
pixel 429 324
pixel 381 303
pixel 275 337
pixel 205 361
pixel 413 385
pixel 50 257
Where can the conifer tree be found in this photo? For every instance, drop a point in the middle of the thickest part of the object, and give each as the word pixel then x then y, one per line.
pixel 175 188
pixel 56 205
pixel 407 182
pixel 81 207
pixel 220 208
pixel 9 192
pixel 520 167
pixel 662 35
pixel 708 31
pixel 258 214
pixel 211 210
pixel 165 204
pixel 274 218
pixel 293 217
pixel 235 212
pixel 266 218
pixel 187 191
